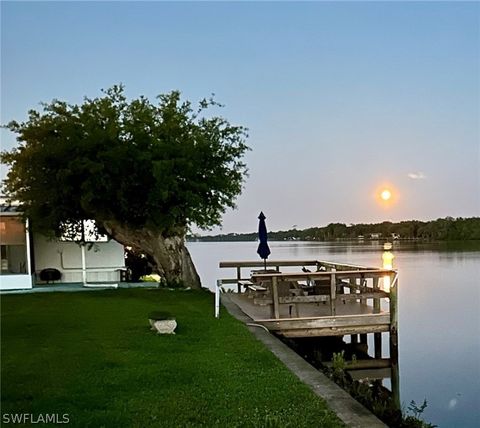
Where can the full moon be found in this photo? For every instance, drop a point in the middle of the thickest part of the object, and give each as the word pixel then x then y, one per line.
pixel 386 194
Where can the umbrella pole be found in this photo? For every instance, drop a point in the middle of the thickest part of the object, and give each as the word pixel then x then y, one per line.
pixel 265 265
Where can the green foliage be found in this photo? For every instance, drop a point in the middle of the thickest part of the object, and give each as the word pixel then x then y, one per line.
pixel 417 410
pixel 150 278
pixel 172 284
pixel 448 228
pixel 96 359
pixel 162 165
pixel 415 419
pixel 338 362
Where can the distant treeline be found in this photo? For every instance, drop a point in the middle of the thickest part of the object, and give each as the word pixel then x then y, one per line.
pixel 442 229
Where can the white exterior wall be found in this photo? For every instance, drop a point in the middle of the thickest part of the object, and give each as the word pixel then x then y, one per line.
pixel 15 282
pixel 103 260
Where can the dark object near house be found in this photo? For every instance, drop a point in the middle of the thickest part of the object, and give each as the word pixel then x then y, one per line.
pixel 137 265
pixel 50 275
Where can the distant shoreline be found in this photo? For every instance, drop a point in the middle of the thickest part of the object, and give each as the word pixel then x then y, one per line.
pixel 443 229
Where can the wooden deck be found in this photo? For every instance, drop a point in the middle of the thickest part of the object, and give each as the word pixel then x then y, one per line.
pixel 334 300
pixel 312 298
pixel 306 319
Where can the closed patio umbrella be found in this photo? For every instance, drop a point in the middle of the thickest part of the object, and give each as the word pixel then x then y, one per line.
pixel 263 249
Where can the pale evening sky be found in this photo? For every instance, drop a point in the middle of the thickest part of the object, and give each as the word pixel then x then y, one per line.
pixel 340 98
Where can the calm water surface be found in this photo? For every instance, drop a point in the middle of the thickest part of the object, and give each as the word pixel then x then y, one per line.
pixel 439 313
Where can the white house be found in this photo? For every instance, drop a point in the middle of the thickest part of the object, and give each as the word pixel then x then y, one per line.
pixel 25 255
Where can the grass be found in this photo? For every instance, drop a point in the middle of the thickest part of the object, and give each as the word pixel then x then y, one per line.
pixel 92 356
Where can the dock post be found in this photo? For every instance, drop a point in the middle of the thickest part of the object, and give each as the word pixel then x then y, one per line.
pixel 377 337
pixel 377 345
pixel 239 277
pixel 276 312
pixel 333 292
pixel 217 298
pixel 376 300
pixel 363 338
pixel 394 340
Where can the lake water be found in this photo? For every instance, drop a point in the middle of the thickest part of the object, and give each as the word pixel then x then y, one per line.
pixel 439 313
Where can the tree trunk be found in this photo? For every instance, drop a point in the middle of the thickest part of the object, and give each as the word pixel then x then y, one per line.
pixel 171 257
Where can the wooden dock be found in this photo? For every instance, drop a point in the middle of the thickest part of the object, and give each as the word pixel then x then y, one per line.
pixel 313 298
pixel 330 300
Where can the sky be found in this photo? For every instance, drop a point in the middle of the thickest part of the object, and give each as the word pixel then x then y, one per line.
pixel 341 99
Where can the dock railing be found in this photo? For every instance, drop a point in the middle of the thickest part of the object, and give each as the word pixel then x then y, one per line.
pixel 361 282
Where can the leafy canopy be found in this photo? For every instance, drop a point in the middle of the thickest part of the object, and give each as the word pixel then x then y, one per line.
pixel 163 166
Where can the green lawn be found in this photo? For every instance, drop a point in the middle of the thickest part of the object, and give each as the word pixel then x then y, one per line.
pixel 91 355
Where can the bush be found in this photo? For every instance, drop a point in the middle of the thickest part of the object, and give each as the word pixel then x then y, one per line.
pixel 137 265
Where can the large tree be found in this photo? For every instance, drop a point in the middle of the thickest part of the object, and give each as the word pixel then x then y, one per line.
pixel 143 171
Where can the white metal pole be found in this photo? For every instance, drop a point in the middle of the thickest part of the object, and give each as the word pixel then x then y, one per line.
pixel 84 265
pixel 217 298
pixel 27 236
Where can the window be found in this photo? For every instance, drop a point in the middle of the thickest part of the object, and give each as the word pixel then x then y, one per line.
pixel 13 248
